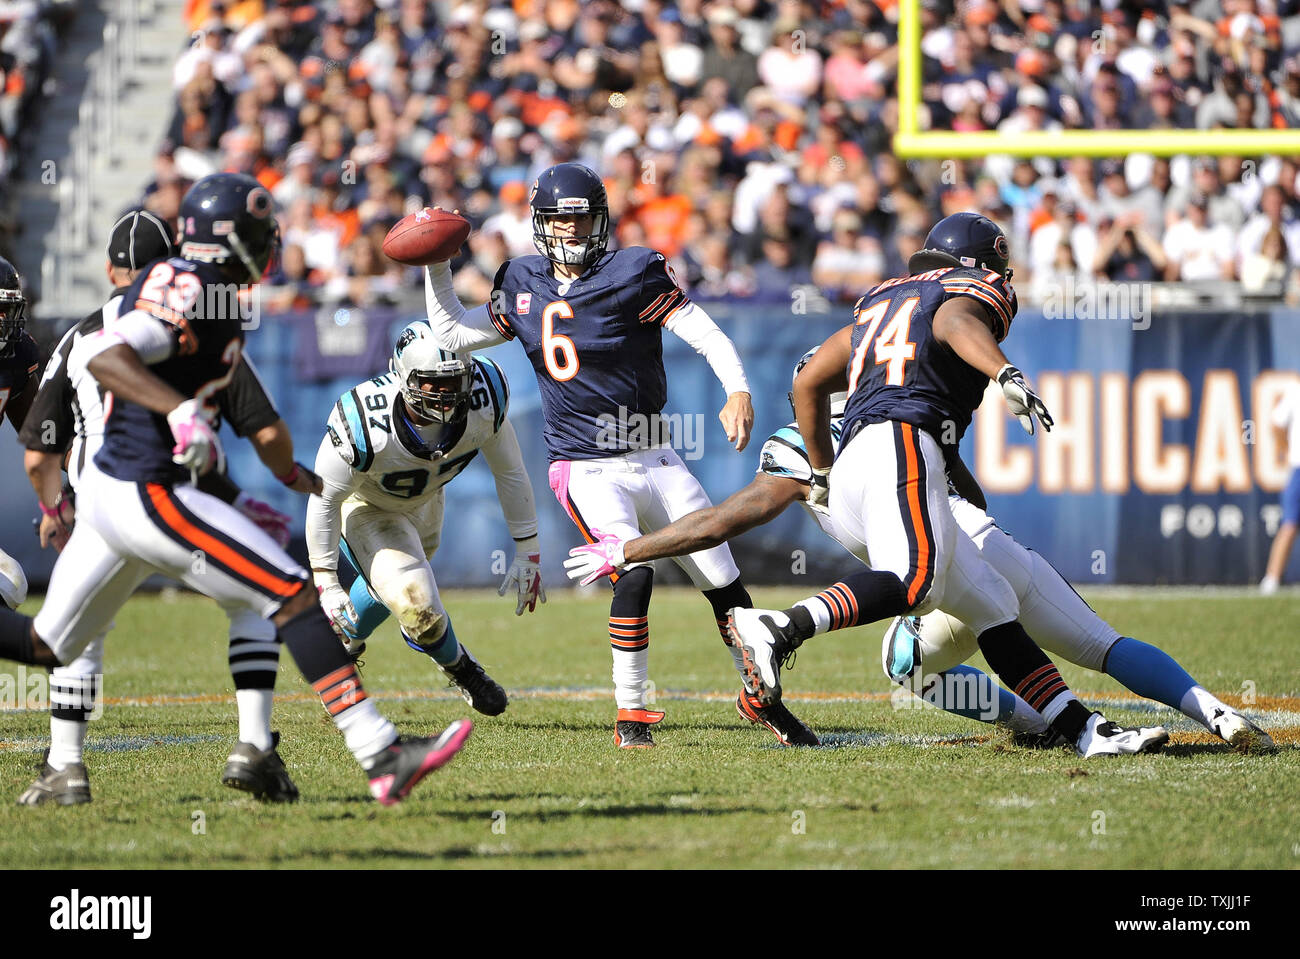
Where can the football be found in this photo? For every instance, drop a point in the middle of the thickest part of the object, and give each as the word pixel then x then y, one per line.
pixel 426 236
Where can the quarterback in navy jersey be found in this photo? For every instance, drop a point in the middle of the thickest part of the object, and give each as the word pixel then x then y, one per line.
pixel 591 322
pixel 915 363
pixel 176 344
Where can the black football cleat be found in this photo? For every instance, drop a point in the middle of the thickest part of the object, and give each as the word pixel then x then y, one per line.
pixel 788 728
pixel 69 786
pixel 480 690
pixel 260 772
pixel 632 728
pixel 400 767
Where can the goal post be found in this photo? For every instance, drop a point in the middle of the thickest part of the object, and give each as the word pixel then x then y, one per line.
pixel 910 142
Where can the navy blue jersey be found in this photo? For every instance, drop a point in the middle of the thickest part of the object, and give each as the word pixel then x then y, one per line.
pixel 200 306
pixel 17 370
pixel 597 348
pixel 900 372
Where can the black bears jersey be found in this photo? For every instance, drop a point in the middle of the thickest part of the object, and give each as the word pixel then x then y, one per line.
pixel 597 347
pixel 17 370
pixel 899 371
pixel 203 314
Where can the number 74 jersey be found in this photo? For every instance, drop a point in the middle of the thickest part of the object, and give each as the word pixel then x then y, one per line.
pixel 900 372
pixel 391 465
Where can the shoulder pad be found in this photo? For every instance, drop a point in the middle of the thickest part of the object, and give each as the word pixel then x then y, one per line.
pixel 362 421
pixel 985 287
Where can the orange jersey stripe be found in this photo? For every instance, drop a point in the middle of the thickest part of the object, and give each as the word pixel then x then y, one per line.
pixel 914 507
pixel 214 547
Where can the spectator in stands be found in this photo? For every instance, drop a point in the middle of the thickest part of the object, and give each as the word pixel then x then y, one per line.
pixel 1127 252
pixel 1271 218
pixel 1196 249
pixel 514 222
pixel 848 264
pixel 790 67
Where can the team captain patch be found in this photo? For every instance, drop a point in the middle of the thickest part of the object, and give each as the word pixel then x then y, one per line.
pixel 523 303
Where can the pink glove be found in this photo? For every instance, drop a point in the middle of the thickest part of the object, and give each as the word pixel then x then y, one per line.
pixel 266 518
pixel 594 560
pixel 197 447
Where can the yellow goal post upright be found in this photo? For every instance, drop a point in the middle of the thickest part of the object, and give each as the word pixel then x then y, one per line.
pixel 910 142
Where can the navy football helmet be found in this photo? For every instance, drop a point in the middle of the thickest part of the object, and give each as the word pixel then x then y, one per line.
pixel 566 190
pixel 963 239
pixel 229 219
pixel 13 308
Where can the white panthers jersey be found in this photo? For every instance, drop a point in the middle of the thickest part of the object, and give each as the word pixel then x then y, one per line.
pixel 398 470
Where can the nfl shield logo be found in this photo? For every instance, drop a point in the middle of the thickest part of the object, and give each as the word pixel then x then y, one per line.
pixel 523 301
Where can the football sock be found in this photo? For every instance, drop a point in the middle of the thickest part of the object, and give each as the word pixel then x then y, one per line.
pixel 72 703
pixel 1030 674
pixel 629 636
pixel 728 597
pixel 371 613
pixel 862 597
pixel 445 651
pixel 325 664
pixel 1149 672
pixel 253 665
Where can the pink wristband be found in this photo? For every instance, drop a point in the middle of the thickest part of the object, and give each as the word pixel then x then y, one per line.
pixel 52 512
pixel 288 478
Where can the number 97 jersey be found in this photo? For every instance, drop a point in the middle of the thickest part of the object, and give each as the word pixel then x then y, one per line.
pixel 392 465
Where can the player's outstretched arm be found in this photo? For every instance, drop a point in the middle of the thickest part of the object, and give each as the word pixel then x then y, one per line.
pixel 821 376
pixel 515 492
pixel 764 499
pixel 274 445
pixel 966 328
pixel 454 327
pixel 697 328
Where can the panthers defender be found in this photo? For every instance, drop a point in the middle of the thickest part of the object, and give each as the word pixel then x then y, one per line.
pixel 592 325
pixel 1050 610
pixel 20 361
pixel 915 364
pixel 391 445
pixel 65 427
pixel 173 348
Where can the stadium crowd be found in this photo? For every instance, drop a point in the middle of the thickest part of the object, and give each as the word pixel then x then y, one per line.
pixel 745 139
pixel 29 41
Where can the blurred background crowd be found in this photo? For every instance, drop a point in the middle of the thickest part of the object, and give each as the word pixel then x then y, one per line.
pixel 29 42
pixel 747 140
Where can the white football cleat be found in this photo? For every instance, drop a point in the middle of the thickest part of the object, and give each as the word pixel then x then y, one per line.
pixel 1101 737
pixel 765 637
pixel 1239 732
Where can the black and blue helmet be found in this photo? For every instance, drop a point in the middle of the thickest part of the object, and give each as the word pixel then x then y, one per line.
pixel 570 189
pixel 229 219
pixel 963 239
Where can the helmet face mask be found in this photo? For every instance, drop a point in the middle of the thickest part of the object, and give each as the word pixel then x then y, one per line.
pixel 570 215
pixel 13 308
pixel 436 383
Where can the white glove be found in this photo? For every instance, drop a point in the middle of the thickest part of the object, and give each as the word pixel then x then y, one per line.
pixel 339 610
pixel 525 576
pixel 1022 401
pixel 820 492
pixel 591 561
pixel 197 448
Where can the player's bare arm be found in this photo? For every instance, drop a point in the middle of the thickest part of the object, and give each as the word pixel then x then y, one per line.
pixel 763 500
pixel 119 370
pixel 274 446
pixel 967 329
pixel 45 471
pixel 823 375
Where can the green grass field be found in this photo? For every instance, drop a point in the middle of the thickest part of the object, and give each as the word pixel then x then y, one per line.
pixel 544 786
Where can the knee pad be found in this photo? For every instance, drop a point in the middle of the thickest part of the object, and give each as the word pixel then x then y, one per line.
pixel 430 627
